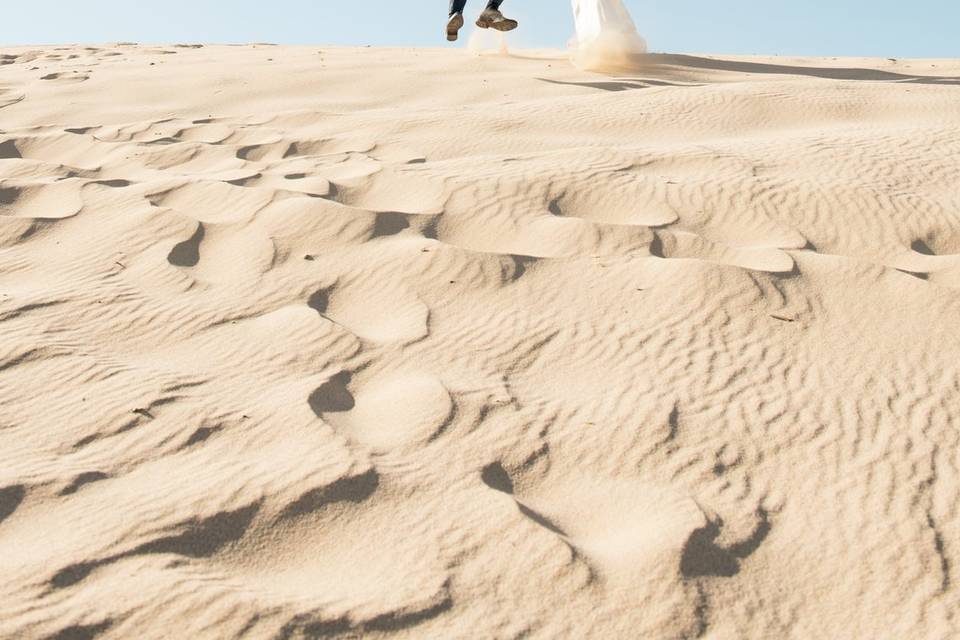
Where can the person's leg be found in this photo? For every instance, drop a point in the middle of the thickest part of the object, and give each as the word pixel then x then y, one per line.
pixel 457 6
pixel 494 5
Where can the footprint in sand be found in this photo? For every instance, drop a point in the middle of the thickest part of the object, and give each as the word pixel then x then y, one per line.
pixel 379 312
pixel 390 190
pixel 399 410
pixel 41 201
pixel 223 253
pixel 627 531
pixel 625 205
pixel 936 260
pixel 213 201
pixel 683 244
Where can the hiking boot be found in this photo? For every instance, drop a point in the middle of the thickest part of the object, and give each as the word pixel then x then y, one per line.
pixel 493 19
pixel 453 26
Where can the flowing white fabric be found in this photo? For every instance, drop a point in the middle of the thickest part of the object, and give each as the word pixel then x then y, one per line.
pixel 606 34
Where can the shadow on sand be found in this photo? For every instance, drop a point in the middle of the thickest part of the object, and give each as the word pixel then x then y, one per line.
pixel 664 65
pixel 623 84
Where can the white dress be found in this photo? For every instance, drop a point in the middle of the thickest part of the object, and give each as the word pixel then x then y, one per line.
pixel 605 32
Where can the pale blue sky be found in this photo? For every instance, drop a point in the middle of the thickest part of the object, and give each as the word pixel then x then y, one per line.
pixel 920 28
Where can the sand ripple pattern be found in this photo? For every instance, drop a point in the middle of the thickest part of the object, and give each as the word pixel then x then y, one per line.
pixel 532 354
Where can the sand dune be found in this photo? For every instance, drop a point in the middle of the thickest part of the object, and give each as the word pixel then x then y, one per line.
pixel 301 343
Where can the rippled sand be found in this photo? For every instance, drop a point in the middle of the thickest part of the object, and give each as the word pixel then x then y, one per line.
pixel 301 343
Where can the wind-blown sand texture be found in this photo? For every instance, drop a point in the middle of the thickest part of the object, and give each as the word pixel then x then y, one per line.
pixel 301 343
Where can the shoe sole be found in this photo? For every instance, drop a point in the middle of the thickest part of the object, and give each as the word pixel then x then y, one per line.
pixel 500 25
pixel 453 27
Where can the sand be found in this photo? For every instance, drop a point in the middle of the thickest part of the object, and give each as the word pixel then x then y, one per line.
pixel 302 342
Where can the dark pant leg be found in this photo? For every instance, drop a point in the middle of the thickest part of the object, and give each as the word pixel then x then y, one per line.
pixel 457 6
